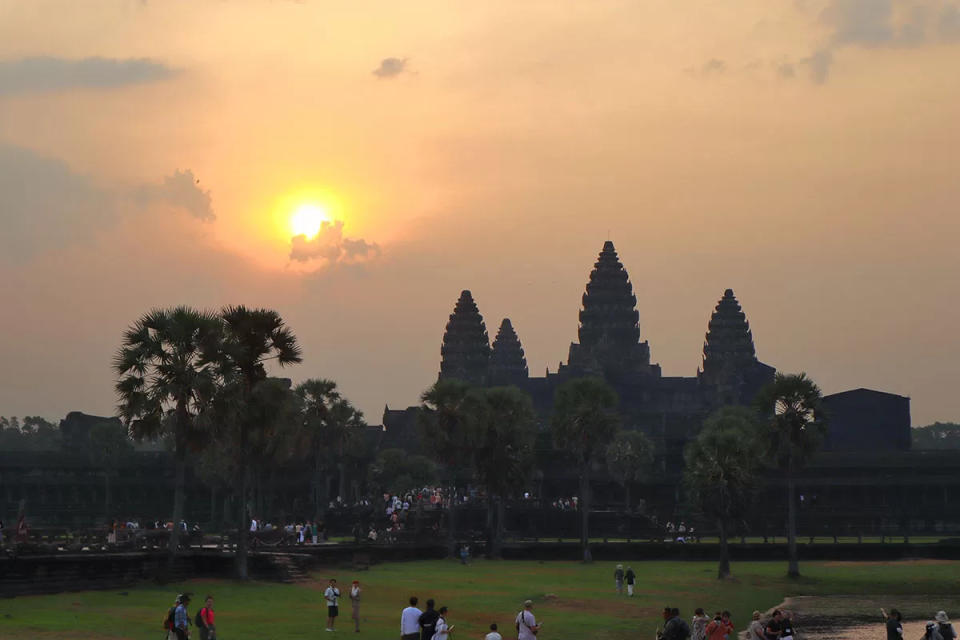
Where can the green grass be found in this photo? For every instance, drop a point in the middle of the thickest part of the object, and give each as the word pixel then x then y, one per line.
pixel 583 606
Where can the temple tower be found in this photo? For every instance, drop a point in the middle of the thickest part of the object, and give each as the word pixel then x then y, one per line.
pixel 465 352
pixel 610 324
pixel 508 364
pixel 730 362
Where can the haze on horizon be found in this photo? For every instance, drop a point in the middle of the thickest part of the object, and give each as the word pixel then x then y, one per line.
pixel 803 153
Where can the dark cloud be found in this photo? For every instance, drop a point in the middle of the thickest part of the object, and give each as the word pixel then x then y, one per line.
pixel 331 246
pixel 390 67
pixel 45 206
pixel 33 75
pixel 948 23
pixel 863 22
pixel 181 190
pixel 713 65
pixel 819 64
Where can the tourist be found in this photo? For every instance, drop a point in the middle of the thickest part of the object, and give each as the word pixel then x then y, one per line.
pixel 931 631
pixel 428 621
pixel 443 629
pixel 618 579
pixel 314 532
pixel 674 627
pixel 1 533
pixel 410 621
pixel 786 627
pixel 208 630
pixel 355 605
pixel 755 630
pixel 946 629
pixel 720 627
pixel 527 627
pixel 332 596
pixel 772 630
pixel 894 624
pixel 181 620
pixel 494 634
pixel 698 626
pixel 464 554
pixel 630 577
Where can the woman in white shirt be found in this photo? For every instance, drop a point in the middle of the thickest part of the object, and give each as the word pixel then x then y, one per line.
pixel 443 631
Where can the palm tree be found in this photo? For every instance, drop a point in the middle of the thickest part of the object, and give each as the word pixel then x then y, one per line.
pixel 722 470
pixel 109 448
pixel 793 404
pixel 584 422
pixel 505 424
pixel 447 436
pixel 251 338
pixel 628 458
pixel 164 381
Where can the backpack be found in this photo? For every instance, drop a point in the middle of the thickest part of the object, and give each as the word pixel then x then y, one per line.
pixel 198 620
pixel 168 623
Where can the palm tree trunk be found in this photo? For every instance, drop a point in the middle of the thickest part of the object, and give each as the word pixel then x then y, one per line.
pixel 585 513
pixel 793 570
pixel 491 508
pixel 452 521
pixel 626 491
pixel 213 505
pixel 180 465
pixel 242 522
pixel 498 530
pixel 106 494
pixel 342 483
pixel 723 571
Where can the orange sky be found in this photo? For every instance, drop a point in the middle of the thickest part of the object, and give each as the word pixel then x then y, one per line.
pixel 802 152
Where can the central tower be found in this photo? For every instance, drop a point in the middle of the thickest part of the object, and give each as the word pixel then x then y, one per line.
pixel 610 325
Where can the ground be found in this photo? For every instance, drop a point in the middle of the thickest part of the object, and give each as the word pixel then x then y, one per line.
pixel 573 599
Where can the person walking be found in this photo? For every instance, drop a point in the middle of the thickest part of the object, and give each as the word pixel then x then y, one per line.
pixel 205 618
pixel 410 621
pixel 698 626
pixel 443 628
pixel 618 579
pixel 947 632
pixel 630 577
pixel 181 620
pixel 755 630
pixel 428 621
pixel 355 605
pixel 332 596
pixel 527 627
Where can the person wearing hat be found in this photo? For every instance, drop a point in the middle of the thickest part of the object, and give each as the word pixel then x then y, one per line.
pixel 947 632
pixel 931 632
pixel 755 630
pixel 527 627
pixel 618 579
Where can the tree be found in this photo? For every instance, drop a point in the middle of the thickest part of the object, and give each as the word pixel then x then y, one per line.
pixel 397 471
pixel 792 403
pixel 628 458
pixel 250 338
pixel 328 426
pixel 109 447
pixel 504 424
pixel 164 381
pixel 722 470
pixel 448 437
pixel 939 435
pixel 584 423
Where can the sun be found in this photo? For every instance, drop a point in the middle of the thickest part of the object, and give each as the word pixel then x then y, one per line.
pixel 307 220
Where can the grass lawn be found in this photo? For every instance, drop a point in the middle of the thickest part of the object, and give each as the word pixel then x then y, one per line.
pixel 582 603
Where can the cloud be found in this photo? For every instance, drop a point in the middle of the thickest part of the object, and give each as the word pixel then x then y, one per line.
pixel 713 65
pixel 332 246
pixel 181 191
pixel 390 67
pixel 43 74
pixel 786 70
pixel 819 63
pixel 948 23
pixel 45 206
pixel 863 22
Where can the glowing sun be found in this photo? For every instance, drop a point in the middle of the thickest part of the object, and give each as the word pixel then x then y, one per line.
pixel 307 220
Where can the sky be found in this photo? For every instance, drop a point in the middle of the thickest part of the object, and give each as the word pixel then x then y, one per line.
pixel 801 152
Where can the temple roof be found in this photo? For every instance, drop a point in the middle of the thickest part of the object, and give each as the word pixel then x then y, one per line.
pixel 465 352
pixel 609 312
pixel 729 340
pixel 508 364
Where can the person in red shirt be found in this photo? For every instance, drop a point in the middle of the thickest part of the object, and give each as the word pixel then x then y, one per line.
pixel 209 630
pixel 720 627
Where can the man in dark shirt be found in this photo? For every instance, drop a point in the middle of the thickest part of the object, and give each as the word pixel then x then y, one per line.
pixel 773 626
pixel 428 621
pixel 894 624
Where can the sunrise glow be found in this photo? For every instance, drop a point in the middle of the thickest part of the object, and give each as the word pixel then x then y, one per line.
pixel 307 220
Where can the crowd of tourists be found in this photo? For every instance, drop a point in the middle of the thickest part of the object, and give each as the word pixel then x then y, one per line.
pixel 939 628
pixel 434 624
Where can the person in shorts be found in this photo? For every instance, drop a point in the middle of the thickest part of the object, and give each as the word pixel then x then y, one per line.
pixel 332 596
